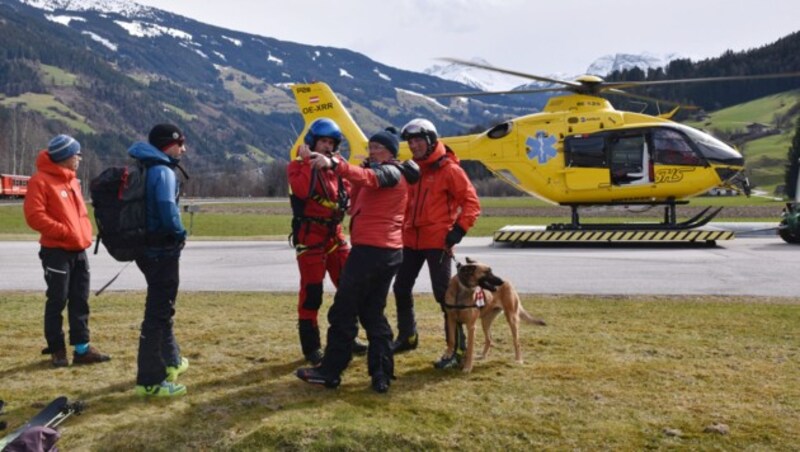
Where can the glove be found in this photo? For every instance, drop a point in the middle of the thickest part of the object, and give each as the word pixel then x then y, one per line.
pixel 410 171
pixel 454 236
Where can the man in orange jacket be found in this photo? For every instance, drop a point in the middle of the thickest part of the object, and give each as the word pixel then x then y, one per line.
pixel 442 207
pixel 55 208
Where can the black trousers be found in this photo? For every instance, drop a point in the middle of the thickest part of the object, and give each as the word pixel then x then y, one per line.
pixel 67 276
pixel 361 296
pixel 440 270
pixel 157 345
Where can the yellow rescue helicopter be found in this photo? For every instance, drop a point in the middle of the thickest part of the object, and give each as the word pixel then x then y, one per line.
pixel 580 151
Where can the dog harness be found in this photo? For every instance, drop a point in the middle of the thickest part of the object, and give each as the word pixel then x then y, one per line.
pixel 479 297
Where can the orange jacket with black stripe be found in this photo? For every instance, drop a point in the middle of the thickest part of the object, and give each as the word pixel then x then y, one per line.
pixel 442 198
pixel 55 208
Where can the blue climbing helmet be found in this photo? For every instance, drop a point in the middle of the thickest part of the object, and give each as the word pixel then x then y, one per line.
pixel 323 127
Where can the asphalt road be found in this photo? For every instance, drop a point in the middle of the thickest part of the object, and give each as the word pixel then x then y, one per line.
pixel 744 266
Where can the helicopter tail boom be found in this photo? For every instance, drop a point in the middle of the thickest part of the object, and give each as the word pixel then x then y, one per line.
pixel 317 100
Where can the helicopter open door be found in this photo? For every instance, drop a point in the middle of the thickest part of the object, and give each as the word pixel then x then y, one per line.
pixel 629 159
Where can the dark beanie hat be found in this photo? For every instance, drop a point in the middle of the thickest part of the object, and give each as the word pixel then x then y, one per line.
pixel 387 138
pixel 63 147
pixel 163 135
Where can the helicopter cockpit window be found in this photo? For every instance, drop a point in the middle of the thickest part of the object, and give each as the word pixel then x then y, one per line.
pixel 712 148
pixel 500 130
pixel 671 148
pixel 586 152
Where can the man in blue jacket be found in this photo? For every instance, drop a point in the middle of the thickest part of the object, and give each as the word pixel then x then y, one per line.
pixel 159 361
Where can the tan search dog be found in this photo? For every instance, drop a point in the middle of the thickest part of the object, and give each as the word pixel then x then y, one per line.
pixel 476 292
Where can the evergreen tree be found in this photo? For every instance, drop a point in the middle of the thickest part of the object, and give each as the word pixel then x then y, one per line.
pixel 793 164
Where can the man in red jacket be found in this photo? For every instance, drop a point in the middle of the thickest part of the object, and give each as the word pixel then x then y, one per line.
pixel 55 208
pixel 379 201
pixel 319 199
pixel 441 209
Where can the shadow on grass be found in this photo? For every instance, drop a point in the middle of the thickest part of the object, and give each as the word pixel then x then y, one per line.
pixel 255 396
pixel 30 367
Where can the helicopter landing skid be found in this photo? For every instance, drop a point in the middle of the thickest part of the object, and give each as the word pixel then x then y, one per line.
pixel 689 231
pixel 669 224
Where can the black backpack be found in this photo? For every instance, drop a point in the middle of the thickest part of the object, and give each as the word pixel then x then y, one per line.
pixel 120 210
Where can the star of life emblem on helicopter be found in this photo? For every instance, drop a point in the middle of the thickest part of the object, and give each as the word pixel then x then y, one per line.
pixel 541 146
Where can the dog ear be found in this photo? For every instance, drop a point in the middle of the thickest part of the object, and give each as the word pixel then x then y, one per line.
pixel 470 261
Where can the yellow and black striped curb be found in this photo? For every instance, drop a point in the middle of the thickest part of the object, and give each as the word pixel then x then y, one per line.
pixel 611 236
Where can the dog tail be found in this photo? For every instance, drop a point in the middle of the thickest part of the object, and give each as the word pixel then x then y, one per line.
pixel 529 318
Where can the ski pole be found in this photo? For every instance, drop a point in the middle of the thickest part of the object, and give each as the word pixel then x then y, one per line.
pixel 112 280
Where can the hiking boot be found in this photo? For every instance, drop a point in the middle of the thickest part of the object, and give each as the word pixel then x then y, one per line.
pixel 92 356
pixel 59 358
pixel 315 357
pixel 164 389
pixel 405 343
pixel 359 348
pixel 380 384
pixel 314 376
pixel 174 371
pixel 447 362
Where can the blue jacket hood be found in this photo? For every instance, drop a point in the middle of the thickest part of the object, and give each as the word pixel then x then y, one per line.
pixel 150 155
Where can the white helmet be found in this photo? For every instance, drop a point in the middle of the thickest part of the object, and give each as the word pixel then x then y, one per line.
pixel 420 128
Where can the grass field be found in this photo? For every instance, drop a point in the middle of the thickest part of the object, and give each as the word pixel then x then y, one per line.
pixel 607 373
pixel 51 108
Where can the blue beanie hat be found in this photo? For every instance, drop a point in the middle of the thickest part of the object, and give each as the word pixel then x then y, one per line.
pixel 388 138
pixel 63 147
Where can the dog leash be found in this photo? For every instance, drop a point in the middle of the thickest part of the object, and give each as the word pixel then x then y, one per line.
pixel 449 252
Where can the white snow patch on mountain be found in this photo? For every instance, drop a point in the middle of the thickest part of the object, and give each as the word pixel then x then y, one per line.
pixel 382 75
pixel 429 99
pixel 236 42
pixel 148 30
pixel 121 7
pixel 63 20
pixel 479 79
pixel 221 56
pixel 273 59
pixel 110 45
pixel 343 73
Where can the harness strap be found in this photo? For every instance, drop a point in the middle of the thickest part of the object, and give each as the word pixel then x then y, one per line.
pixel 478 297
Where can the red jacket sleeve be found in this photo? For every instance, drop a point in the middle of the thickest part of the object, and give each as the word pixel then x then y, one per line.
pixel 299 175
pixel 358 176
pixel 466 197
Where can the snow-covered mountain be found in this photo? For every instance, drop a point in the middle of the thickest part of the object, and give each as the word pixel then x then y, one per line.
pixel 622 61
pixel 121 7
pixel 477 78
pixel 490 81
pixel 228 90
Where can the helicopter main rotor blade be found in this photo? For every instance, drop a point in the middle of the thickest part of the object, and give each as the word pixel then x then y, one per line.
pixel 509 72
pixel 494 93
pixel 698 80
pixel 650 99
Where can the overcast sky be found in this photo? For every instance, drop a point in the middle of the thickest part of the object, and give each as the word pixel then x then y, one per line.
pixel 540 37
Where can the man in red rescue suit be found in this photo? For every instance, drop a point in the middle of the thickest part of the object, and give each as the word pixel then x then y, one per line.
pixel 442 207
pixel 319 200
